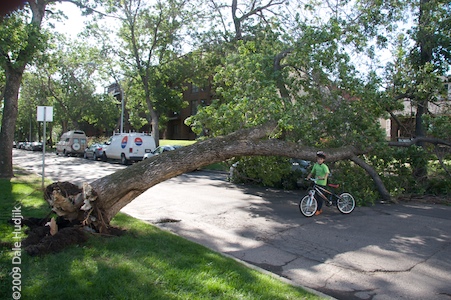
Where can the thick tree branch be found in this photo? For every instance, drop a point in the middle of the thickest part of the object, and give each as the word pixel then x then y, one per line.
pixel 420 139
pixel 376 178
pixel 440 155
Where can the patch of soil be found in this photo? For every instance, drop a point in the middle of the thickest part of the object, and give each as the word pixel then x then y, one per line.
pixel 40 242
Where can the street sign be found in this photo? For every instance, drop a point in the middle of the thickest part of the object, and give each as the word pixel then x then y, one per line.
pixel 45 113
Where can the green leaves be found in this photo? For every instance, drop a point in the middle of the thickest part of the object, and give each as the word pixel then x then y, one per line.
pixel 19 41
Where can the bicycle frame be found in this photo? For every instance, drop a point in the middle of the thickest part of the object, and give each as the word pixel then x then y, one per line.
pixel 321 191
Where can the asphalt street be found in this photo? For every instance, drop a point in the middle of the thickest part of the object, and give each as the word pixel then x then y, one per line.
pixel 386 251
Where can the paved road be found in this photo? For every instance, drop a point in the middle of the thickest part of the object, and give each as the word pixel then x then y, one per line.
pixel 63 168
pixel 380 252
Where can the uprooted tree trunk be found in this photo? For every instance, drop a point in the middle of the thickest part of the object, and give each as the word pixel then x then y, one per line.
pixel 96 204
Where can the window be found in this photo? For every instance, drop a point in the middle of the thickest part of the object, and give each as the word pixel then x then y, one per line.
pixel 194 105
pixel 175 131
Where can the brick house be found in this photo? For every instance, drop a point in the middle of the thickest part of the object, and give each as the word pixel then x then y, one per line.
pixel 195 96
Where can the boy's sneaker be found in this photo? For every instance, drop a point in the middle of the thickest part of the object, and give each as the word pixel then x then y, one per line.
pixel 318 212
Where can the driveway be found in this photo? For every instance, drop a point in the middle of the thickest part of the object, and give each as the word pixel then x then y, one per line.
pixel 385 251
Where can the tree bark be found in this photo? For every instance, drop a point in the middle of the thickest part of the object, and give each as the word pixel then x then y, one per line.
pixel 376 178
pixel 11 95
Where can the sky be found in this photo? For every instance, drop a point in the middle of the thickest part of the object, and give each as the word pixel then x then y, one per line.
pixel 74 24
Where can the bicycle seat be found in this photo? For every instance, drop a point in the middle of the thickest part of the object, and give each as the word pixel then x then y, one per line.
pixel 333 185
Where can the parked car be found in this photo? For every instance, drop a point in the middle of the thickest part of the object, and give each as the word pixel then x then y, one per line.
pixel 21 145
pixel 300 169
pixel 72 143
pixel 34 146
pixel 95 151
pixel 300 165
pixel 26 145
pixel 161 149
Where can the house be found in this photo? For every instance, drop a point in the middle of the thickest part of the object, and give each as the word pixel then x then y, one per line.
pixel 403 127
pixel 195 96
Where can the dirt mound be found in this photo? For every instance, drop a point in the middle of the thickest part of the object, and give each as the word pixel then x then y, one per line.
pixel 40 241
pixel 43 243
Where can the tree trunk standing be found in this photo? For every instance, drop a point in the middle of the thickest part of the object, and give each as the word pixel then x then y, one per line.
pixel 236 20
pixel 10 111
pixel 111 193
pixel 154 122
pixel 14 69
pixel 425 43
pixel 420 162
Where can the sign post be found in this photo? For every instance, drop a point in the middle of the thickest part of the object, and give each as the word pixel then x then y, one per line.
pixel 44 114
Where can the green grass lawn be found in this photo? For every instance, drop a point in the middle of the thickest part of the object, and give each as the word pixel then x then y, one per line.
pixel 176 142
pixel 143 263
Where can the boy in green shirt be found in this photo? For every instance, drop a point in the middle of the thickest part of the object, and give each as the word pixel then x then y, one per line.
pixel 320 170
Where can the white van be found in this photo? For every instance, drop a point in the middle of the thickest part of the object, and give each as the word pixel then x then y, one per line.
pixel 128 147
pixel 72 143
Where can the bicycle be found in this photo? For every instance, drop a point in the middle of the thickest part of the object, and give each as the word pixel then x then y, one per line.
pixel 308 205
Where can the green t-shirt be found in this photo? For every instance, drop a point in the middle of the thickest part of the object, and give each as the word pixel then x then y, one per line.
pixel 320 170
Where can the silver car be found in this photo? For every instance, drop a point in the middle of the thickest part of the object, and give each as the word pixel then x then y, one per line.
pixel 95 151
pixel 161 149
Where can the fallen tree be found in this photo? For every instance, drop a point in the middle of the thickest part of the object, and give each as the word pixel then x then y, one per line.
pixel 95 204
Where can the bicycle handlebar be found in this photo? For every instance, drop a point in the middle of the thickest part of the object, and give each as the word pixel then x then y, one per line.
pixel 312 179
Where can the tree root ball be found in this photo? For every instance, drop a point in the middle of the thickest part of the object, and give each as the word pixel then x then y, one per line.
pixel 65 188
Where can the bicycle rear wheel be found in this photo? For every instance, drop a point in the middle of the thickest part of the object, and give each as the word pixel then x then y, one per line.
pixel 345 203
pixel 308 206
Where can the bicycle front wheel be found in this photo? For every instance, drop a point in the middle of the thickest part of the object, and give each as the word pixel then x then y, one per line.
pixel 346 203
pixel 308 206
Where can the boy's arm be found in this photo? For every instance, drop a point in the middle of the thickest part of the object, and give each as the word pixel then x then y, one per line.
pixel 310 174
